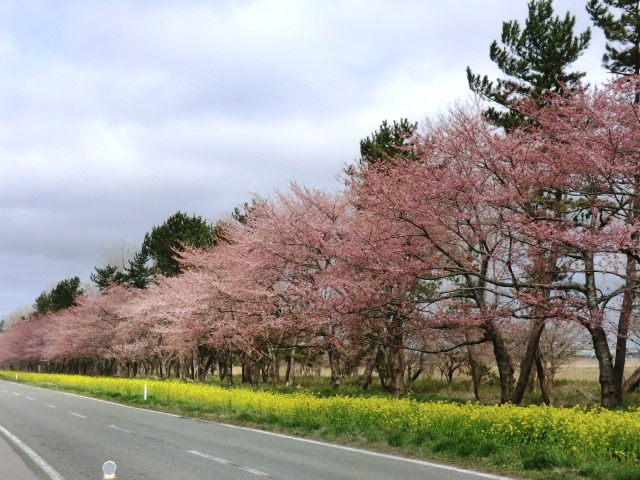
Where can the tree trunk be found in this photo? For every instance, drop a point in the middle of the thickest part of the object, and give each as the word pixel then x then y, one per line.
pixel 291 367
pixel 608 394
pixel 229 368
pixel 528 360
pixel 334 365
pixel 246 369
pixel 275 366
pixel 542 379
pixel 396 358
pixel 632 382
pixel 450 379
pixel 397 368
pixel 368 370
pixel 416 374
pixel 181 374
pixel 202 374
pixel 382 366
pixel 476 374
pixel 624 322
pixel 505 367
pixel 222 367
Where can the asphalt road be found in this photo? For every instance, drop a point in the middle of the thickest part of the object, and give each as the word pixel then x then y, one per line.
pixel 75 435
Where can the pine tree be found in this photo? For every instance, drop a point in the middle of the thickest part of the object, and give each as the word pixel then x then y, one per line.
pixel 105 277
pixel 534 58
pixel 138 273
pixel 388 141
pixel 62 296
pixel 622 31
pixel 165 240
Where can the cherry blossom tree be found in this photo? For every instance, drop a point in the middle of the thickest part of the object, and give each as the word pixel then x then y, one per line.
pixel 595 136
pixel 159 327
pixel 21 344
pixel 87 331
pixel 277 255
pixel 439 227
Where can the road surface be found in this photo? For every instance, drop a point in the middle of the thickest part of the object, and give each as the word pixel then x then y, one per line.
pixel 74 435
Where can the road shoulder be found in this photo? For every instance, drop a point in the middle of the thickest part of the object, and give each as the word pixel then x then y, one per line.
pixel 13 466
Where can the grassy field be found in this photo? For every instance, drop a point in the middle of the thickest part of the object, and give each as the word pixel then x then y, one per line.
pixel 534 442
pixel 587 369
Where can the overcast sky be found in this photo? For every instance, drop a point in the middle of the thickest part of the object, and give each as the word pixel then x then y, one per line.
pixel 114 115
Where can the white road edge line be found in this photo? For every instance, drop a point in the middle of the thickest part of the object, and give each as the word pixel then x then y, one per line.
pixel 227 462
pixel 48 469
pixel 374 454
pixel 77 415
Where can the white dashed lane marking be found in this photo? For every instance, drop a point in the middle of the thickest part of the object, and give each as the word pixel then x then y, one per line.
pixel 227 462
pixel 76 415
pixel 118 428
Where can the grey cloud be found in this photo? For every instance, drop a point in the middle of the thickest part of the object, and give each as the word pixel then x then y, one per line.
pixel 116 114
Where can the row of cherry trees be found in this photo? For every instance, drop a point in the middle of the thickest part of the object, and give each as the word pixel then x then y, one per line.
pixel 462 238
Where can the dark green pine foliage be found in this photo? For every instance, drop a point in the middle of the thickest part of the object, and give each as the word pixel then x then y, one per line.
pixel 620 22
pixel 240 214
pixel 63 295
pixel 138 273
pixel 42 305
pixel 165 240
pixel 534 59
pixel 107 276
pixel 388 141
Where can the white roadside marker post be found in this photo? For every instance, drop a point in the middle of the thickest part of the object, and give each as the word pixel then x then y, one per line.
pixel 109 470
pixel 145 392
